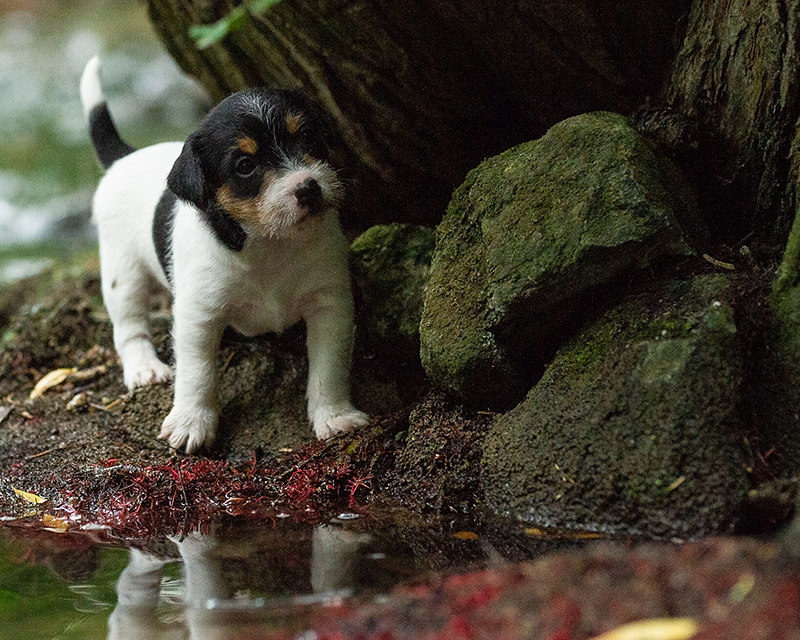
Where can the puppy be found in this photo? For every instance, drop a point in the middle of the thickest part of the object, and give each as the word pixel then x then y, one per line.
pixel 240 223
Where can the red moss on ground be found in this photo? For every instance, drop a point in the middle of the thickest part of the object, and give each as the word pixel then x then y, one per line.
pixel 177 496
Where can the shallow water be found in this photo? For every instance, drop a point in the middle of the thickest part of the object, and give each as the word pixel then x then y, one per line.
pixel 237 579
pixel 47 167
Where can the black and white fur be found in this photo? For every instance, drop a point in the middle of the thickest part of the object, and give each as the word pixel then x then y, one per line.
pixel 240 223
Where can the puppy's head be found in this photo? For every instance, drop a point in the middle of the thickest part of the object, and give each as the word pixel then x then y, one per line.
pixel 261 157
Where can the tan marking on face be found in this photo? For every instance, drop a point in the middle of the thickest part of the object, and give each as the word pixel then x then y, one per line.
pixel 293 122
pixel 242 209
pixel 248 145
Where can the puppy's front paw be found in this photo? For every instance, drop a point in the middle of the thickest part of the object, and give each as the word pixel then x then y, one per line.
pixel 189 429
pixel 151 371
pixel 327 424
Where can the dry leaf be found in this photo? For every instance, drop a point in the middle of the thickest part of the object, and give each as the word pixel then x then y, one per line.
pixel 656 629
pixel 88 374
pixel 56 525
pixel 466 535
pixel 55 377
pixel 30 497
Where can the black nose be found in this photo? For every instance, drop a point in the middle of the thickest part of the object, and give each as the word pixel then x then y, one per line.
pixel 308 193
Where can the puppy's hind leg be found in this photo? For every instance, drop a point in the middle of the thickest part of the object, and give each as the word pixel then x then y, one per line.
pixel 126 296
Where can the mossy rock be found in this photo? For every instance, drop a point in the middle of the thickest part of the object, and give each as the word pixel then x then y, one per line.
pixel 634 426
pixel 778 406
pixel 531 241
pixel 390 265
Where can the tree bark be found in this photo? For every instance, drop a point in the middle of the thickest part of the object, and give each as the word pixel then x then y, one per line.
pixel 737 73
pixel 420 93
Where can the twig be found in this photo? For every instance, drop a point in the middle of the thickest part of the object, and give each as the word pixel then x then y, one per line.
pixel 228 361
pixel 106 407
pixel 302 463
pixel 719 263
pixel 44 453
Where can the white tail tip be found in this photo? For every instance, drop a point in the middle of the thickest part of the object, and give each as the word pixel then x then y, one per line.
pixel 91 91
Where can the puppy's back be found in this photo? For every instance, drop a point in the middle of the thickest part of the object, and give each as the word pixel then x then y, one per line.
pixel 126 200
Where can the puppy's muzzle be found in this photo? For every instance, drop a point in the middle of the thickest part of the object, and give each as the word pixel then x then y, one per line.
pixel 308 194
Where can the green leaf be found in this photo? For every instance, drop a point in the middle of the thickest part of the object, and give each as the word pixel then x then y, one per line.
pixel 236 19
pixel 208 34
pixel 260 6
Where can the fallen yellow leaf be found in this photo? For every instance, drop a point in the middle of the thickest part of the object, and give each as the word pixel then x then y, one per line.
pixel 55 377
pixel 466 535
pixel 656 629
pixel 30 497
pixel 56 525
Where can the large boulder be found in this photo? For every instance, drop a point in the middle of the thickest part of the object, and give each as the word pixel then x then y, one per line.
pixel 532 243
pixel 635 425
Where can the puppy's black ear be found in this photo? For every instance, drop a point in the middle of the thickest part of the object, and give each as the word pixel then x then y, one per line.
pixel 187 179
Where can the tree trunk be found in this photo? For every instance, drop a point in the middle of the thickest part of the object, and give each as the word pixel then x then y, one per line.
pixel 420 93
pixel 738 73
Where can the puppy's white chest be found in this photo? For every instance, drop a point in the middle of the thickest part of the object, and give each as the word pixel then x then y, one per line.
pixel 258 310
pixel 280 285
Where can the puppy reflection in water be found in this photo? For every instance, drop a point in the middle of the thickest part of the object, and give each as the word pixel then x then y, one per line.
pixel 210 603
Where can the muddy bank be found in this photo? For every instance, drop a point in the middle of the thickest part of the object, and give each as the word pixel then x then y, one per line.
pixel 90 448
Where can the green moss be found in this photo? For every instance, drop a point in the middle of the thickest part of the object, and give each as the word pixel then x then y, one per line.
pixel 390 265
pixel 592 344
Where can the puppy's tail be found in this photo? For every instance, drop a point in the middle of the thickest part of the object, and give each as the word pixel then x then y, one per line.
pixel 108 144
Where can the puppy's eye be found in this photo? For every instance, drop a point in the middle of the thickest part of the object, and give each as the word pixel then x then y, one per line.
pixel 245 167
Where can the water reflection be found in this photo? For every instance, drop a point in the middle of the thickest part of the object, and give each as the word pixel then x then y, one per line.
pixel 235 579
pixel 219 597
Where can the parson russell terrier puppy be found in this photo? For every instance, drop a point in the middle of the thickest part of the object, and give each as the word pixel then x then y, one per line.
pixel 240 223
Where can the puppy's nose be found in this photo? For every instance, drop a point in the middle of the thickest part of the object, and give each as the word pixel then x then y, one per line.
pixel 308 193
